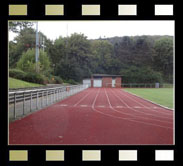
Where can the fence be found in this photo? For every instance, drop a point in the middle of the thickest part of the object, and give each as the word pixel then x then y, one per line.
pixel 146 85
pixel 27 101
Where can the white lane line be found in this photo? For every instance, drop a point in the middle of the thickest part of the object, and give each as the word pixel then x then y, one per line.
pixel 144 112
pixel 83 105
pixel 81 99
pixel 95 98
pixel 63 105
pixel 121 107
pixel 108 100
pixel 136 115
pixel 128 119
pixel 137 107
pixel 93 107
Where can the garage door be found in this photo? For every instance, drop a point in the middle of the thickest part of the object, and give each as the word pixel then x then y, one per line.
pixel 97 83
pixel 87 82
pixel 113 83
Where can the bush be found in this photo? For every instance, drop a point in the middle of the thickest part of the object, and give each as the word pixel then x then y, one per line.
pixel 55 79
pixel 58 80
pixel 30 76
pixel 36 78
pixel 16 73
pixel 27 62
pixel 141 75
pixel 70 81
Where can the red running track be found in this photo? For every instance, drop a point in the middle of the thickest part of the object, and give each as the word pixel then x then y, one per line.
pixel 96 116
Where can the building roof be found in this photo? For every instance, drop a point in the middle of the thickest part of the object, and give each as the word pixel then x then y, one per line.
pixel 105 75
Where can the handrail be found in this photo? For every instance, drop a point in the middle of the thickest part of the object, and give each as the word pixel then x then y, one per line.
pixel 34 96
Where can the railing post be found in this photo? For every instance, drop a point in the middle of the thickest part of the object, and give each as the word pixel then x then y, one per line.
pixel 31 101
pixel 37 99
pixel 15 106
pixel 47 97
pixel 42 99
pixel 54 95
pixel 23 103
pixel 57 94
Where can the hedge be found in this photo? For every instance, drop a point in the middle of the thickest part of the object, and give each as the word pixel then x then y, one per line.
pixel 36 78
pixel 30 77
pixel 16 73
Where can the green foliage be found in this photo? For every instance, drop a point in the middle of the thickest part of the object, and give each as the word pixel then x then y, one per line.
pixel 58 80
pixel 73 60
pixel 36 78
pixel 55 80
pixel 139 58
pixel 163 58
pixel 16 73
pixel 140 75
pixel 27 62
pixel 16 26
pixel 25 40
pixel 28 76
pixel 102 56
pixel 72 82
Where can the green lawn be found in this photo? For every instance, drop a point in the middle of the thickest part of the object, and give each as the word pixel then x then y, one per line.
pixel 162 96
pixel 15 83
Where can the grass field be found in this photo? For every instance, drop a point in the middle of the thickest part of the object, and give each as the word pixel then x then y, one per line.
pixel 162 96
pixel 15 83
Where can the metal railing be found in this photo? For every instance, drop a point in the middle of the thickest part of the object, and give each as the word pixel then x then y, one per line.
pixel 27 101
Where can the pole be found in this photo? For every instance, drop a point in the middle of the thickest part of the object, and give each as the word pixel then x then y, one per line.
pixel 37 47
pixel 43 44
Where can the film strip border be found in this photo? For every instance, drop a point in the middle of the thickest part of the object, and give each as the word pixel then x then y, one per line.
pixel 90 10
pixel 89 155
pixel 18 156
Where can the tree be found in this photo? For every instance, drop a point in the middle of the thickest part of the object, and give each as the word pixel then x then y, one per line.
pixel 102 56
pixel 17 26
pixel 133 74
pixel 27 62
pixel 25 40
pixel 56 51
pixel 163 57
pixel 74 57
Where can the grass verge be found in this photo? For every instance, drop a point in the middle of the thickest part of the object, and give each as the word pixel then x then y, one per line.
pixel 162 96
pixel 15 83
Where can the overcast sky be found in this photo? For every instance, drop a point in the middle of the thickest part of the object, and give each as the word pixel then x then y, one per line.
pixel 96 29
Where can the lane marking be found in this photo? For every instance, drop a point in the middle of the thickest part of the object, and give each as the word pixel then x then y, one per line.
pixel 137 107
pixel 81 99
pixel 146 111
pixel 136 111
pixel 121 107
pixel 83 105
pixel 142 113
pixel 63 105
pixel 128 119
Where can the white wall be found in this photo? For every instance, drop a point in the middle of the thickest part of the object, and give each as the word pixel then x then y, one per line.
pixel 87 82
